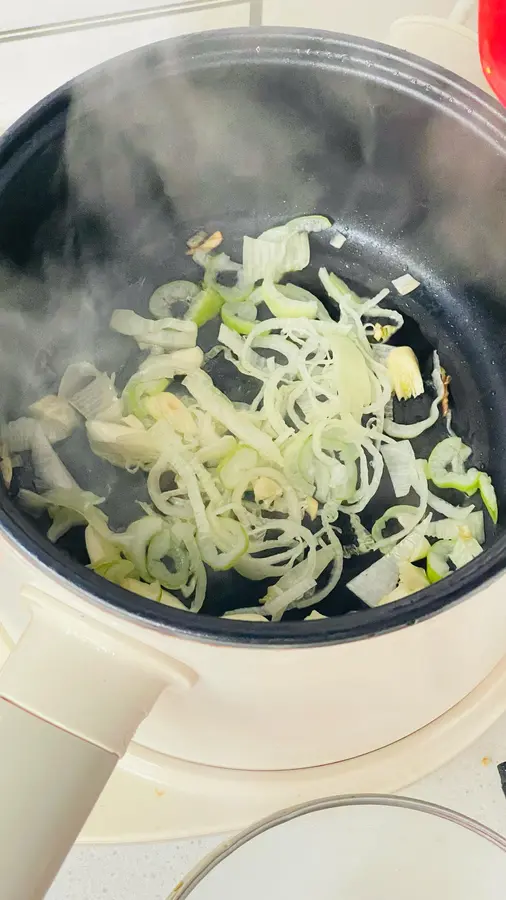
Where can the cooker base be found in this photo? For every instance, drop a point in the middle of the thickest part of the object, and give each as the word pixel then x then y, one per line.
pixel 153 797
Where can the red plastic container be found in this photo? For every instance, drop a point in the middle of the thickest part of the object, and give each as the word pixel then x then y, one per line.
pixel 492 36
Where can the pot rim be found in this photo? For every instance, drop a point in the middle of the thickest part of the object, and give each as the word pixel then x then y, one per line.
pixel 213 859
pixel 358 57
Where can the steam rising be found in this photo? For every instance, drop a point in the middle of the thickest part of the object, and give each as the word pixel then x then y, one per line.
pixel 468 201
pixel 155 155
pixel 148 160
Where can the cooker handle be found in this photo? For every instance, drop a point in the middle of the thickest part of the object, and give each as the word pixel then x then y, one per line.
pixel 72 694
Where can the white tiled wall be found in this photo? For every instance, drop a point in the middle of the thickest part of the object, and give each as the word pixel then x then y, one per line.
pixel 367 18
pixel 34 67
pixel 27 13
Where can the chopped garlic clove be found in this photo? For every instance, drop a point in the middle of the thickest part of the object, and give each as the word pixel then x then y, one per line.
pixel 404 373
pixel 266 489
pixel 312 508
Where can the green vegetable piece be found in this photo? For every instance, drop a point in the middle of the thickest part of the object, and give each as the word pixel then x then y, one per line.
pixel 136 391
pixel 488 495
pixel 205 306
pixel 288 301
pixel 437 560
pixel 446 467
pixel 240 316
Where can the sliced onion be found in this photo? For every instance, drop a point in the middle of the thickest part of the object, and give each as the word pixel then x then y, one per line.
pixel 240 462
pixel 452 529
pixel 405 284
pixel 338 240
pixel 401 464
pixel 312 442
pixel 377 581
pixel 56 416
pixel 201 387
pixel 49 470
pixel 90 392
pixel 280 600
pixel 18 434
pixel 281 249
pixel 180 362
pixel 171 295
pixel 448 509
pixel 263 257
pixel 286 304
pixel 411 580
pixel 464 551
pixel 168 333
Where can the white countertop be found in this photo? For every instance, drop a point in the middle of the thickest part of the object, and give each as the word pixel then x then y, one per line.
pixel 470 784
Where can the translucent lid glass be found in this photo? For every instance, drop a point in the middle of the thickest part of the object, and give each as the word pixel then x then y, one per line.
pixel 357 848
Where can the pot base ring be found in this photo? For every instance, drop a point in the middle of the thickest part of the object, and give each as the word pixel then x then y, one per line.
pixel 152 797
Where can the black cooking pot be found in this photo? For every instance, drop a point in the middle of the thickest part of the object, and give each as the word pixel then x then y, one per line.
pixel 101 184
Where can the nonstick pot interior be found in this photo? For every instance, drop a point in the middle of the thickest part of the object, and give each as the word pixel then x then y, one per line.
pixel 102 183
